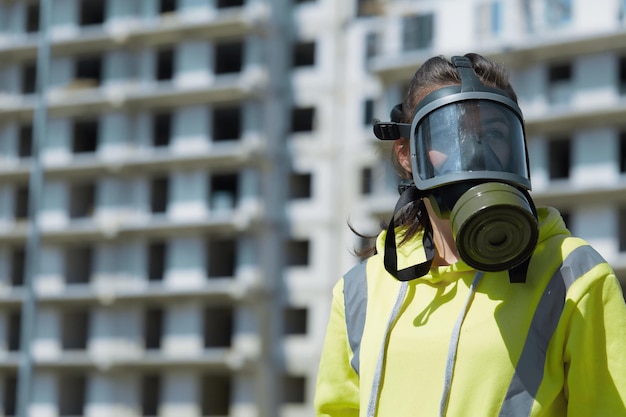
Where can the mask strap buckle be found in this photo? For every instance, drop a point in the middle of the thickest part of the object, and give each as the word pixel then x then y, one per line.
pixel 409 195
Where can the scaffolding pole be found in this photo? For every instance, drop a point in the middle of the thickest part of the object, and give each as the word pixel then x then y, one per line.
pixel 35 186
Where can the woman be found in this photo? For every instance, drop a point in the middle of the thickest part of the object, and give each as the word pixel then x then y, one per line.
pixel 474 302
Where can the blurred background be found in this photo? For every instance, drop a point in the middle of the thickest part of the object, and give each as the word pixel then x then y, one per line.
pixel 177 177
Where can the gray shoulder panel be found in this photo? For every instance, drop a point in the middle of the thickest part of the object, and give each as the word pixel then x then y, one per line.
pixel 355 302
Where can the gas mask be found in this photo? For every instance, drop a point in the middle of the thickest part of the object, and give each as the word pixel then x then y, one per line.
pixel 469 159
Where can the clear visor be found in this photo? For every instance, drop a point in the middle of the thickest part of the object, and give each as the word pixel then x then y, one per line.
pixel 472 136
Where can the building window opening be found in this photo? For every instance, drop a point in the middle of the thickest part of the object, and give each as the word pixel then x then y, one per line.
pixel 29 78
pixel 92 12
pixel 297 253
pixel 25 141
pixel 218 327
pixel 221 258
pixel 226 123
pixel 216 395
pixel 295 321
pixel 294 389
pixel 18 266
pixel 224 191
pixel 20 212
pixel 71 395
pixel 14 331
pixel 300 185
pixel 78 263
pixel 417 32
pixel 559 157
pixel 367 185
pixel 165 64
pixel 157 254
pixel 89 71
pixel 150 395
pixel 223 4
pixel 161 129
pixel 303 54
pixel 228 57
pixel 368 112
pixel 566 216
pixel 10 395
pixel 75 330
pixel 82 200
pixel 153 328
pixel 302 119
pixel 159 195
pixel 85 136
pixel 558 12
pixel 32 17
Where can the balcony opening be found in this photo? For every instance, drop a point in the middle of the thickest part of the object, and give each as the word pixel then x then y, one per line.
pixel 223 4
pixel 18 266
pixel 75 332
pixel 157 254
pixel 300 185
pixel 622 152
pixel 29 78
pixel 302 119
pixel 368 112
pixel 167 6
pixel 418 32
pixel 32 17
pixel 161 129
pixel 150 395
pixel 221 257
pixel 78 264
pixel 559 158
pixel 159 195
pixel 367 185
pixel 14 331
pixel 82 200
pixel 622 75
pixel 297 253
pixel 71 395
pixel 224 191
pixel 85 136
pixel 89 71
pixel 153 328
pixel 559 83
pixel 366 8
pixel 303 54
pixel 20 212
pixel 25 141
pixel 165 64
pixel 10 395
pixel 92 12
pixel 294 389
pixel 371 45
pixel 295 321
pixel 216 395
pixel 218 327
pixel 226 123
pixel 228 57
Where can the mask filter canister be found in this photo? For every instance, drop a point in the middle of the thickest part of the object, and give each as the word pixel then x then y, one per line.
pixel 494 227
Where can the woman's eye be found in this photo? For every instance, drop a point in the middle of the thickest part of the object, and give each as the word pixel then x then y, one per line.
pixel 495 135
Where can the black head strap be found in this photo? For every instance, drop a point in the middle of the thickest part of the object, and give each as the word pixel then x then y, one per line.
pixel 469 79
pixel 410 194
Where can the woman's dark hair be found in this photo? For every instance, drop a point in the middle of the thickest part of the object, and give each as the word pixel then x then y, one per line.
pixel 435 73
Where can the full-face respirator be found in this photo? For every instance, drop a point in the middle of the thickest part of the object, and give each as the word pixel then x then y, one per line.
pixel 469 159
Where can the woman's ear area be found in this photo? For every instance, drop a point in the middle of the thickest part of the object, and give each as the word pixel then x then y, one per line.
pixel 402 150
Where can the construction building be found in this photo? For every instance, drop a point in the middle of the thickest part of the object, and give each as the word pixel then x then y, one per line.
pixel 201 161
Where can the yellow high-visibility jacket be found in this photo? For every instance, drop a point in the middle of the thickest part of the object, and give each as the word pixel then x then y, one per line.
pixel 464 344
